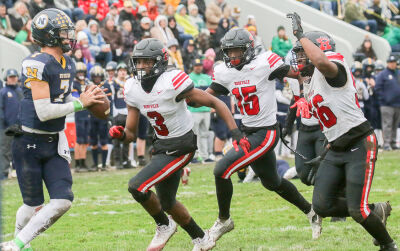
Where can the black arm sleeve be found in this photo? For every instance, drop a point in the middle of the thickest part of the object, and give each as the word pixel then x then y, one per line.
pixel 279 72
pixel 179 97
pixel 340 79
pixel 290 117
pixel 219 89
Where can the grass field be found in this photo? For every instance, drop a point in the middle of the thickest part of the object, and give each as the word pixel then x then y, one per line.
pixel 105 217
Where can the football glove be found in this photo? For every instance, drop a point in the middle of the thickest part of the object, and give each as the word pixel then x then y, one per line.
pixel 303 108
pixel 296 25
pixel 239 139
pixel 117 132
pixel 314 164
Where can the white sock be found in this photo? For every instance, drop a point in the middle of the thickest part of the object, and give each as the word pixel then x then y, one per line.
pixel 109 148
pixel 24 214
pixel 46 217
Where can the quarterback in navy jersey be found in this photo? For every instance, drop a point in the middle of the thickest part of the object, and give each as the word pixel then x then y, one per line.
pixel 40 149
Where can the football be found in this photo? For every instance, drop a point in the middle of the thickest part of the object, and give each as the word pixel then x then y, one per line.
pixel 100 111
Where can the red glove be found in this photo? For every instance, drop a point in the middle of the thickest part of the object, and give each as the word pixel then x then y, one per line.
pixel 117 132
pixel 302 108
pixel 244 144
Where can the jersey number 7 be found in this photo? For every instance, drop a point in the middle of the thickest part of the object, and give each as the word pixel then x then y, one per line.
pixel 247 102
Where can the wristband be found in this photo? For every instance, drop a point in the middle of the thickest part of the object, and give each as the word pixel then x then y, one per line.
pixel 78 105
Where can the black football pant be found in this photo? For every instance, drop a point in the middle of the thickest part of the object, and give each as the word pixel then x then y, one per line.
pixel 353 169
pixel 263 162
pixel 310 144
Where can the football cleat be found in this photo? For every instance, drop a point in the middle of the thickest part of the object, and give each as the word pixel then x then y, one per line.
pixel 9 246
pixel 382 209
pixel 163 234
pixel 316 223
pixel 220 228
pixel 389 247
pixel 203 244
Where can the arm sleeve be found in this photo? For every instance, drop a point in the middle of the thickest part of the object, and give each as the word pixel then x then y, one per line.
pixel 219 89
pixel 46 110
pixel 290 117
pixel 341 77
pixel 365 92
pixel 280 98
pixel 379 87
pixel 2 122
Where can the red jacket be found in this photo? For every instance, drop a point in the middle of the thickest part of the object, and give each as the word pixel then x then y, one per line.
pixel 102 7
pixel 152 12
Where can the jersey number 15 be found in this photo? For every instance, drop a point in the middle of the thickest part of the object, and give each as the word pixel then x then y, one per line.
pixel 247 101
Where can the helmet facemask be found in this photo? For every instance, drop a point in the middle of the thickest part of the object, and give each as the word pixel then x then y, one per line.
pixel 246 56
pixel 301 63
pixel 69 34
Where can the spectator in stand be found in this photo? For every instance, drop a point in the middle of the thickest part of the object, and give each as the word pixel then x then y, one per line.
pixel 235 16
pixel 380 12
pixel 101 7
pixel 251 21
pixel 216 10
pixel 223 27
pixel 37 6
pixel 208 62
pixel 5 23
pixel 10 98
pixel 173 3
pixel 258 42
pixel 392 35
pixel 128 39
pixel 97 46
pixel 24 37
pixel 175 56
pixel 161 31
pixel 80 26
pixel 152 9
pixel 82 44
pixel 196 18
pixel 113 37
pixel 362 91
pixel 189 54
pixel 388 91
pixel 354 14
pixel 203 41
pixel 366 48
pixel 169 11
pixel 92 13
pixel 68 7
pixel 127 14
pixel 201 115
pixel 145 25
pixel 19 16
pixel 178 31
pixel 142 12
pixel 281 44
pixel 312 3
pixel 184 21
pixel 114 14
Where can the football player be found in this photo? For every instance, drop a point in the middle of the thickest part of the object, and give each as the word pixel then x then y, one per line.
pixel 40 149
pixel 249 79
pixel 160 96
pixel 99 127
pixel 81 119
pixel 352 149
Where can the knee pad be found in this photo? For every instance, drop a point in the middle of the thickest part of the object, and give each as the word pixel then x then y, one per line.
pixel 60 205
pixel 220 168
pixel 139 196
pixel 355 213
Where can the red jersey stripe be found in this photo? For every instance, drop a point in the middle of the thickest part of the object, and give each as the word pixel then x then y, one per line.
pixel 179 74
pixel 182 81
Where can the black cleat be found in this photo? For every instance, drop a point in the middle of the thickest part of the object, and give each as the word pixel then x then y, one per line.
pixel 382 209
pixel 94 168
pixel 389 247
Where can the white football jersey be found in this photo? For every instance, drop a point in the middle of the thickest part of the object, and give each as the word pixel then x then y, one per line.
pixel 337 109
pixel 254 93
pixel 295 86
pixel 169 118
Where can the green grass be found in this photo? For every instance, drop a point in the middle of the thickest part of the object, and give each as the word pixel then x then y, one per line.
pixel 105 217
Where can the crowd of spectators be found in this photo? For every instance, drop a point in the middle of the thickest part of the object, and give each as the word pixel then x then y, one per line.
pixel 191 31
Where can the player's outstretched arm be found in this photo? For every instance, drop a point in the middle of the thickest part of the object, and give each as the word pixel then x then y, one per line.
pixel 47 110
pixel 132 121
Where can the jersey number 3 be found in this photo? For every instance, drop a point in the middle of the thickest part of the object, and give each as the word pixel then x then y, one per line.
pixel 160 127
pixel 247 100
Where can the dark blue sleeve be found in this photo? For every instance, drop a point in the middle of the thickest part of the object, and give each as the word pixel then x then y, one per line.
pixel 379 86
pixel 2 122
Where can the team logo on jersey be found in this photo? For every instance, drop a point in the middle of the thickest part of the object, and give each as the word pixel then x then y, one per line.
pixel 42 21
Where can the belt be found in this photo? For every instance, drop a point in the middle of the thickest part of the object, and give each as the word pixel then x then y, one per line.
pixel 45 137
pixel 249 130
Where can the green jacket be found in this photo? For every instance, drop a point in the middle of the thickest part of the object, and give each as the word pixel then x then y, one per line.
pixel 281 46
pixel 200 81
pixel 353 12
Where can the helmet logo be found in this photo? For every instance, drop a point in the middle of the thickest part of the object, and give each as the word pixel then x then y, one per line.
pixel 41 21
pixel 324 43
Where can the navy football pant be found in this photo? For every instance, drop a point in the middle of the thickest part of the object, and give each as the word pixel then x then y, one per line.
pixel 37 160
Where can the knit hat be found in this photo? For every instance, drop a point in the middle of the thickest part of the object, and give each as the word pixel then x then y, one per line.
pixel 81 36
pixel 142 8
pixel 172 42
pixel 179 8
pixel 209 52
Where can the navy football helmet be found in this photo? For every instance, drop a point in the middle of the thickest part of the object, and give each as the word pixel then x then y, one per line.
pixel 51 27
